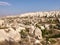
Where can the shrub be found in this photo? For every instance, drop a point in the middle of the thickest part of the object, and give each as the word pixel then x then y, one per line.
pixel 23 34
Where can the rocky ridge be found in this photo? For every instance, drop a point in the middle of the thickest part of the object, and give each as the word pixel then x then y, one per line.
pixel 38 28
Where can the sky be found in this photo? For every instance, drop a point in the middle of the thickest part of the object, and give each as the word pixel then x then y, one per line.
pixel 15 7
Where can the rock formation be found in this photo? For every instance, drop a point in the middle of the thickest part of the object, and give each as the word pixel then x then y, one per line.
pixel 38 28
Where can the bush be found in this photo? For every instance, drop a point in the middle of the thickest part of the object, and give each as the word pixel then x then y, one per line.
pixel 23 34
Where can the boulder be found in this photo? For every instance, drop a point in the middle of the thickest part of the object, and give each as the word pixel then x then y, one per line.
pixel 38 33
pixel 14 35
pixel 18 29
pixel 1 22
pixel 3 35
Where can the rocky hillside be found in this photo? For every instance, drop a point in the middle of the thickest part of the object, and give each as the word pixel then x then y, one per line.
pixel 38 28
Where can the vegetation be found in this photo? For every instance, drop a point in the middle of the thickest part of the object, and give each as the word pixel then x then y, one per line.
pixel 23 34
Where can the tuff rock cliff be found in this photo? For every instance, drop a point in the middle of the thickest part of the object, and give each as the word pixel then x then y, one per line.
pixel 38 28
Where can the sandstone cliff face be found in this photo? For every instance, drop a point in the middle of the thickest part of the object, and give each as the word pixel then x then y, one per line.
pixel 39 28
